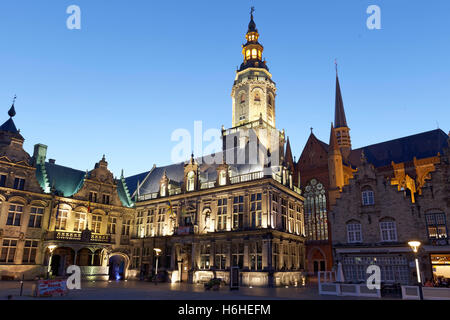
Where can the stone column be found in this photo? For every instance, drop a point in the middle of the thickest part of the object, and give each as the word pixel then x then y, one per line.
pixel 265 254
pixel 228 258
pixel 246 255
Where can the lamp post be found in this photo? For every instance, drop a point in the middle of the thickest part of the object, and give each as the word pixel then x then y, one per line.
pixel 51 248
pixel 415 248
pixel 157 251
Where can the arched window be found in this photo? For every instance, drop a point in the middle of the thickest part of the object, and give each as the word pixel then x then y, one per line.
pixel 316 221
pixel 80 221
pixel 368 198
pixel 257 96
pixel 190 181
pixel 247 54
pixel 242 98
pixel 354 233
pixel 254 54
pixel 388 230
pixel 222 178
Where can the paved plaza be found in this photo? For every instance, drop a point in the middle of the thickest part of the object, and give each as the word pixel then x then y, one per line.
pixel 136 290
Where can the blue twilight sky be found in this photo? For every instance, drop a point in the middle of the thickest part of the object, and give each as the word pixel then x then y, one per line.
pixel 137 70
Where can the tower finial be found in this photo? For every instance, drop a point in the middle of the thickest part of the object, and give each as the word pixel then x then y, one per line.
pixel 12 110
pixel 252 9
pixel 336 66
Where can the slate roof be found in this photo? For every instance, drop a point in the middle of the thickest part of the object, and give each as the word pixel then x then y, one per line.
pixel 150 180
pixel 422 145
pixel 65 180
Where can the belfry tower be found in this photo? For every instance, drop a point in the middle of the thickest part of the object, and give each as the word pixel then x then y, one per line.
pixel 254 92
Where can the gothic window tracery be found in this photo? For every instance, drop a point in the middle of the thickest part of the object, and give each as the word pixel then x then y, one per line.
pixel 316 222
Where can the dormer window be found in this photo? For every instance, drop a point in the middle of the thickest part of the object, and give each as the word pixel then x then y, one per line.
pixel 93 196
pixel 190 185
pixel 222 178
pixel 163 190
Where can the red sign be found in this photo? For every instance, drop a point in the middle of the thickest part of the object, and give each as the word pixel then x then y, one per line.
pixel 48 288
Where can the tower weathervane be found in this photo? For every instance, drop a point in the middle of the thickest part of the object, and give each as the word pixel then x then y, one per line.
pixel 336 65
pixel 252 9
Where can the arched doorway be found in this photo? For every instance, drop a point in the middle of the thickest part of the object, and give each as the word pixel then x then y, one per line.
pixel 62 258
pixel 118 265
pixel 317 261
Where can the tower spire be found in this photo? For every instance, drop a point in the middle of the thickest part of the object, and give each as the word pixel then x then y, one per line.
pixel 341 129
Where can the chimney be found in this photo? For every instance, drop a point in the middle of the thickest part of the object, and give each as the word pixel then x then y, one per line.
pixel 52 161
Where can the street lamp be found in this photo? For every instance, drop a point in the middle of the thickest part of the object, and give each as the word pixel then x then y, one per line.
pixel 51 248
pixel 415 248
pixel 157 251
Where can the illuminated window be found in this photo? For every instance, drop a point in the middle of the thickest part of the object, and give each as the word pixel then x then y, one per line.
pixel 204 256
pixel 80 221
pixel 255 210
pixel 29 251
pixel 61 220
pixel 223 178
pixel 238 212
pixel 112 223
pixel 436 226
pixel 316 223
pixel 190 181
pixel 96 223
pixel 36 215
pixel 8 251
pixel 254 53
pixel 247 54
pixel 255 252
pixel 259 54
pixel 14 214
pixel 221 214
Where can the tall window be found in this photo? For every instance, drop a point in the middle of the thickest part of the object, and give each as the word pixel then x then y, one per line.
pixel 354 233
pixel 255 252
pixel 284 221
pixel 112 223
pixel 29 251
pixel 276 255
pixel 275 210
pixel 436 225
pixel 161 219
pixel 19 183
pixel 93 196
pixel 388 231
pixel 238 212
pixel 8 251
pixel 291 218
pixel 80 221
pixel 96 223
pixel 255 210
pixel 126 227
pixel 106 198
pixel 136 261
pixel 205 250
pixel 163 190
pixel 223 177
pixel 221 257
pixel 237 255
pixel 298 222
pixel 2 180
pixel 222 214
pixel 190 181
pixel 14 215
pixel 36 214
pixel 316 222
pixel 368 198
pixel 150 221
pixel 139 228
pixel 61 220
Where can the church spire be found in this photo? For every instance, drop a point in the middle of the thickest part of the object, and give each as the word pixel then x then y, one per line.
pixel 341 128
pixel 339 113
